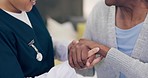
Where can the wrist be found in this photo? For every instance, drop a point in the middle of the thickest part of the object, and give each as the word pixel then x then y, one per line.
pixel 103 50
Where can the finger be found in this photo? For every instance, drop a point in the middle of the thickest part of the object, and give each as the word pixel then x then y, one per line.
pixel 74 42
pixel 69 47
pixel 89 43
pixel 90 60
pixel 83 40
pixel 84 54
pixel 79 55
pixel 70 53
pixel 97 60
pixel 93 51
pixel 74 58
pixel 70 60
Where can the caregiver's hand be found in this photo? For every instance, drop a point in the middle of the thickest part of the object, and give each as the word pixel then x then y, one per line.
pixel 77 55
pixel 80 56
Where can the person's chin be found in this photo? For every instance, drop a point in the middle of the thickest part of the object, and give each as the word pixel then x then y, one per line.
pixel 29 9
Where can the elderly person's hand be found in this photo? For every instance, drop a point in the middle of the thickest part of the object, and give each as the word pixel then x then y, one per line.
pixel 93 58
pixel 92 44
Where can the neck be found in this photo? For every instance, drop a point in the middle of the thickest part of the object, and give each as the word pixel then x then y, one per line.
pixel 131 15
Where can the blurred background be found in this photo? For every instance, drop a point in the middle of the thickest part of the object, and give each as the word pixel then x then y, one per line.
pixel 73 12
pixel 65 21
pixel 65 10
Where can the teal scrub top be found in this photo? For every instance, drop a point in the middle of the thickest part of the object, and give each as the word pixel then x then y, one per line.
pixel 17 58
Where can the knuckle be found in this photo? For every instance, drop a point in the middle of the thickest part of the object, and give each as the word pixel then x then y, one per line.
pixel 81 39
pixel 78 46
pixel 73 42
pixel 83 46
pixel 70 45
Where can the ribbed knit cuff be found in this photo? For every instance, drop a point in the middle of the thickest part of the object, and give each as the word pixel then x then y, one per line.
pixel 123 63
pixel 118 59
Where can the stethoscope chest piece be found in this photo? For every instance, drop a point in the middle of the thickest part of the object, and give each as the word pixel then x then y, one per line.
pixel 39 56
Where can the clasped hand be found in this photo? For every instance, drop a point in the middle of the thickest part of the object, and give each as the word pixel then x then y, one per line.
pixel 85 53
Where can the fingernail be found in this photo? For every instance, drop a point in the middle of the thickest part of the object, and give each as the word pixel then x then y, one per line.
pixel 97 48
pixel 75 41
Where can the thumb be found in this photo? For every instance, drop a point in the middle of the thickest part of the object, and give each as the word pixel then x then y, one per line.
pixel 94 62
pixel 93 51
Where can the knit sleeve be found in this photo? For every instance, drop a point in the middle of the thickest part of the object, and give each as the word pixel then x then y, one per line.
pixel 89 24
pixel 95 16
pixel 132 68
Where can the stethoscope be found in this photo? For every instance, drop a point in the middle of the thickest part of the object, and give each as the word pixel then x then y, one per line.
pixel 39 55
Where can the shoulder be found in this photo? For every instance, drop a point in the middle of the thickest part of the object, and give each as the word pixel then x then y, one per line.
pixel 101 5
pixel 97 20
pixel 99 13
pixel 6 33
pixel 100 9
pixel 35 11
pixel 4 28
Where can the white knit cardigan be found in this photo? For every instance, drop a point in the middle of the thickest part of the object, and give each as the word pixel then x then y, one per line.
pixel 101 28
